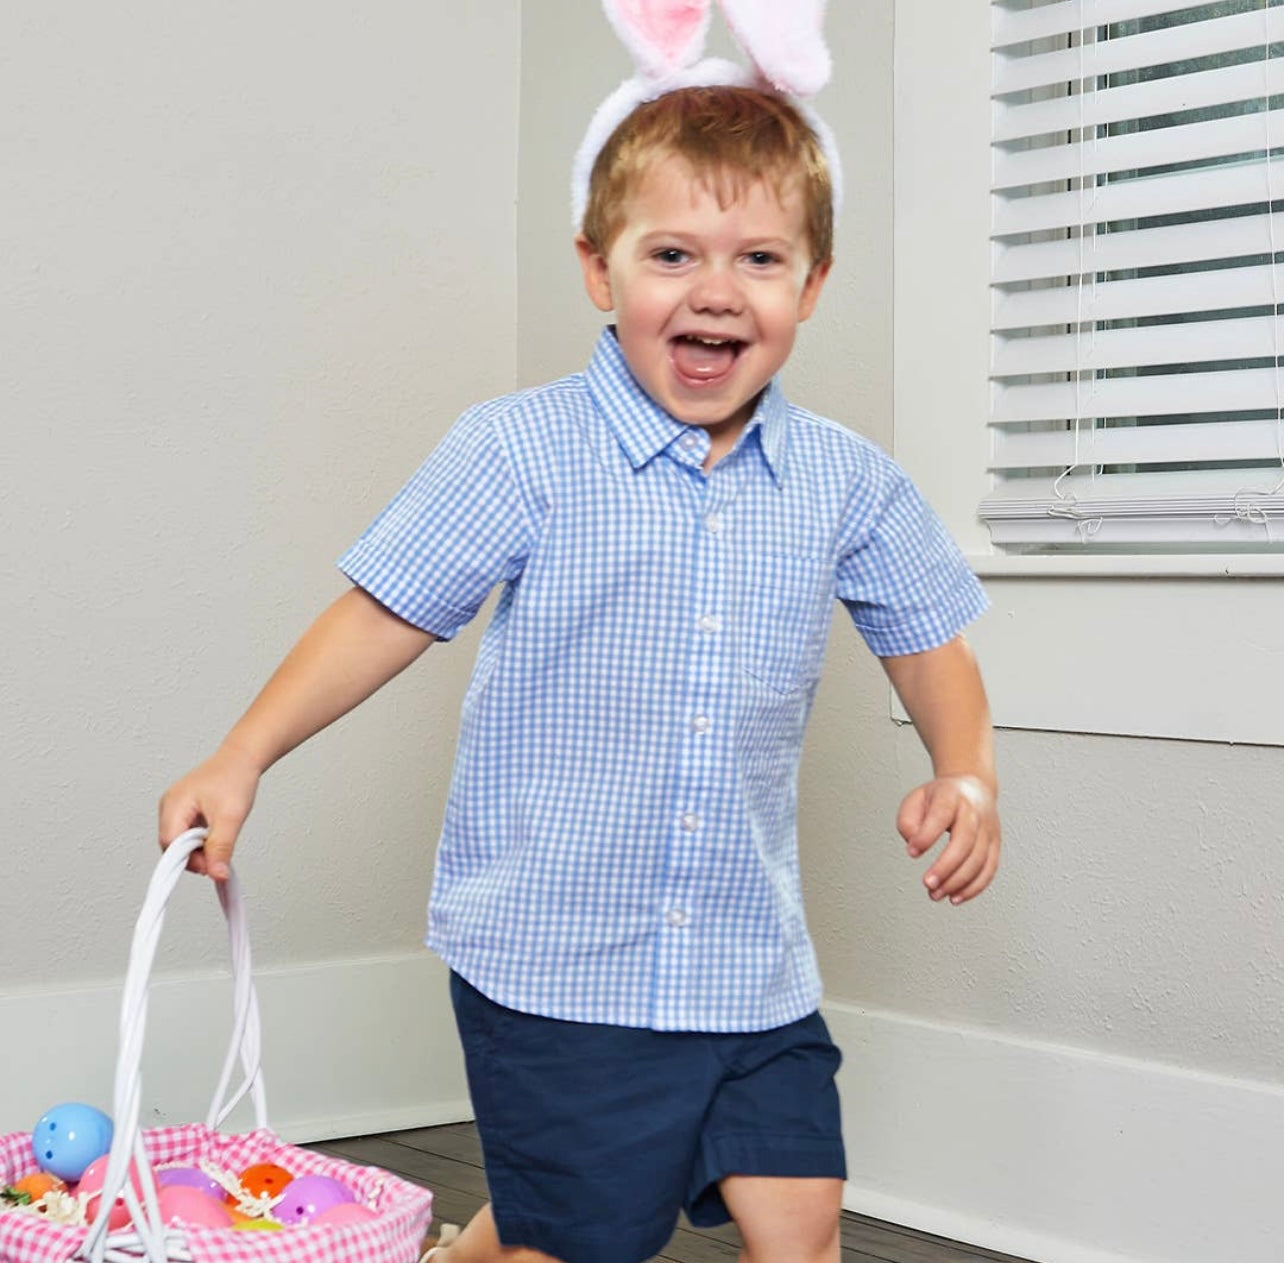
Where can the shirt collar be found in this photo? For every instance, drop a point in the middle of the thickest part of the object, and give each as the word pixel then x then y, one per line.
pixel 644 429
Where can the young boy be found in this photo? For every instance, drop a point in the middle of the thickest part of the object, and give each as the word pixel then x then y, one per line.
pixel 617 891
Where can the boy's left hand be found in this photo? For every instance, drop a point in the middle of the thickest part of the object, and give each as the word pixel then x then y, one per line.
pixel 963 807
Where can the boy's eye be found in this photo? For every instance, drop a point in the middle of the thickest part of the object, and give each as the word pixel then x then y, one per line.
pixel 670 254
pixel 761 258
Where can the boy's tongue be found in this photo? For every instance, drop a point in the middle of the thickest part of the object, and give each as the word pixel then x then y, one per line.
pixel 693 358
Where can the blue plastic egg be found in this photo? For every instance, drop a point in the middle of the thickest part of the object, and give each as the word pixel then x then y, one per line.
pixel 69 1137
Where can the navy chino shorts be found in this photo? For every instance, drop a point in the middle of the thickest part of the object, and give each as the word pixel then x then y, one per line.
pixel 595 1137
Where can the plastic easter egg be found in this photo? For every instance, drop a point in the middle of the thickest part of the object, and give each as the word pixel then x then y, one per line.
pixel 245 1224
pixel 91 1186
pixel 182 1205
pixel 189 1177
pixel 263 1179
pixel 37 1185
pixel 344 1213
pixel 69 1137
pixel 308 1196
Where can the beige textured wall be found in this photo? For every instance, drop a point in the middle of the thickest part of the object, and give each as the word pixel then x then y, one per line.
pixel 255 259
pixel 1139 906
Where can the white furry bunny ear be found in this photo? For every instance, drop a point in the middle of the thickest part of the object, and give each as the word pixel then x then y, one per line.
pixel 784 40
pixel 662 35
pixel 665 38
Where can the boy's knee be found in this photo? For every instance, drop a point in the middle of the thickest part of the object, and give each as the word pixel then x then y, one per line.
pixel 786 1220
pixel 796 1245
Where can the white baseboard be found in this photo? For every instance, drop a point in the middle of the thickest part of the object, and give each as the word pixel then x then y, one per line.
pixel 349 1048
pixel 1045 1152
pixel 1054 1154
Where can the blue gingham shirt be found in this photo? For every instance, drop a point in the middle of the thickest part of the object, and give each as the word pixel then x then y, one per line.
pixel 619 842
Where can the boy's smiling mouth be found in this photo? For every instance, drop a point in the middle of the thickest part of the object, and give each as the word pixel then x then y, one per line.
pixel 702 358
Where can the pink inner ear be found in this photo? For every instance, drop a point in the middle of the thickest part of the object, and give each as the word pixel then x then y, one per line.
pixel 666 32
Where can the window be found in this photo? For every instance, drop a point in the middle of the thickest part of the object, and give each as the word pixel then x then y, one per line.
pixel 1137 276
pixel 1110 615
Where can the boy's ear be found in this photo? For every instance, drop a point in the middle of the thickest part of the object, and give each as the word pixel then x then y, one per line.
pixel 597 276
pixel 812 286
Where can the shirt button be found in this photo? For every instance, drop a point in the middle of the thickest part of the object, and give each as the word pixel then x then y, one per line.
pixel 709 623
pixel 713 523
pixel 701 723
pixel 676 917
pixel 689 442
pixel 689 821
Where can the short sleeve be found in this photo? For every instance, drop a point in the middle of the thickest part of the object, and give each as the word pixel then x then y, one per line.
pixel 453 532
pixel 901 576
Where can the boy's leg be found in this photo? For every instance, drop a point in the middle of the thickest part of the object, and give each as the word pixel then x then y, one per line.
pixel 771 1155
pixel 785 1220
pixel 589 1132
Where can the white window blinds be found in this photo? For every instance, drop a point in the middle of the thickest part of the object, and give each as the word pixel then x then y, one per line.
pixel 1138 190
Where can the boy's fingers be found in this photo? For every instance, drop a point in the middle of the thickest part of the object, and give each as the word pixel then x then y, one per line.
pixel 940 815
pixel 963 836
pixel 910 815
pixel 213 856
pixel 217 854
pixel 983 879
pixel 966 870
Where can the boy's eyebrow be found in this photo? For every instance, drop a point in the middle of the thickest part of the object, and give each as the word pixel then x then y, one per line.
pixel 659 235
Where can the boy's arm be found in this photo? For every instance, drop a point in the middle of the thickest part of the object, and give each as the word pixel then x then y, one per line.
pixel 942 691
pixel 353 648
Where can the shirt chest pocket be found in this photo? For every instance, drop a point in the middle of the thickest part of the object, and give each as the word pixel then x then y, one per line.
pixel 785 605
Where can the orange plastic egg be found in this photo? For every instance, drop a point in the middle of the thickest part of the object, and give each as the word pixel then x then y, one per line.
pixel 263 1179
pixel 38 1184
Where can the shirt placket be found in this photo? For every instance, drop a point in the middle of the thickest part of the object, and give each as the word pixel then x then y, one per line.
pixel 705 719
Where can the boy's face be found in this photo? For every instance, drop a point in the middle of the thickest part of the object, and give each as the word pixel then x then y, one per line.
pixel 707 299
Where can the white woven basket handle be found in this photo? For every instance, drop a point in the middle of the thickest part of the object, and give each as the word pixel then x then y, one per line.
pixel 150 1241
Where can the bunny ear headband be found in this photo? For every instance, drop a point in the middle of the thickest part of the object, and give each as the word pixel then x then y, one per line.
pixel 666 37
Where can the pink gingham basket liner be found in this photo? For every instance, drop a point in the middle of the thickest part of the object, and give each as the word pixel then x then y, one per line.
pixel 404 1209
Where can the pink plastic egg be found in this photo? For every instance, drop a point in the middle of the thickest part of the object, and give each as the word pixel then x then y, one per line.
pixel 180 1204
pixel 308 1195
pixel 190 1177
pixel 344 1213
pixel 91 1183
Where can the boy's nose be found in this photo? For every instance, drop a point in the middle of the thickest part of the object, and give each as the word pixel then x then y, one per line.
pixel 716 290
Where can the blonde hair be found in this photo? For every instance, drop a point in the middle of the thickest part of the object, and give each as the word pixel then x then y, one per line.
pixel 731 137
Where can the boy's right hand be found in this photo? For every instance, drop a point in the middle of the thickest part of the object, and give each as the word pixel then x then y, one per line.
pixel 218 795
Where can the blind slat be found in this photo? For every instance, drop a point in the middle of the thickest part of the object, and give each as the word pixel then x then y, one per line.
pixel 1178 394
pixel 1194 342
pixel 1150 296
pixel 1140 444
pixel 1019 26
pixel 1170 95
pixel 1135 52
pixel 1214 188
pixel 1241 236
pixel 1202 525
pixel 1174 509
pixel 1161 146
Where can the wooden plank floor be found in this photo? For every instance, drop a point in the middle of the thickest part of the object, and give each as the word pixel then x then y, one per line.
pixel 449 1161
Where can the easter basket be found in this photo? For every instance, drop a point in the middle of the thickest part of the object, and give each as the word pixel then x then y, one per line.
pixel 401 1210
